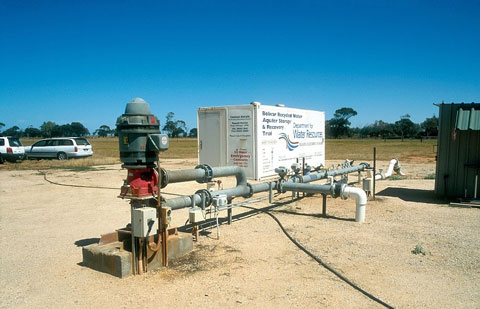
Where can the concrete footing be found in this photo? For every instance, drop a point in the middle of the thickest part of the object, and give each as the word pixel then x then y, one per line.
pixel 114 258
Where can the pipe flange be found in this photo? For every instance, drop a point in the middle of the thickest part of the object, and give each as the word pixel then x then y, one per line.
pixel 338 189
pixel 164 174
pixel 208 196
pixel 208 173
pixel 365 165
pixel 250 193
pixel 280 187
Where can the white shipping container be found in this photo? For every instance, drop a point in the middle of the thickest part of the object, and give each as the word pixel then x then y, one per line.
pixel 260 138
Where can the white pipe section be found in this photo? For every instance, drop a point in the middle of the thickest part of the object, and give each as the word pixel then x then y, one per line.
pixel 391 167
pixel 361 201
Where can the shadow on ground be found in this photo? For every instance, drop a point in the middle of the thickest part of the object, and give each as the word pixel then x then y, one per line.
pixel 411 195
pixel 86 242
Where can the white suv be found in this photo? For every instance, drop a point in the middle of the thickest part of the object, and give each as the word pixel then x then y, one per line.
pixel 11 149
pixel 61 148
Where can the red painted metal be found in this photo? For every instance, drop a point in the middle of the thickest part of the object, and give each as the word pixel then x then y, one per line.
pixel 141 182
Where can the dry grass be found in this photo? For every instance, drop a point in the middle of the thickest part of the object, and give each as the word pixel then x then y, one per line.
pixel 413 151
pixel 106 152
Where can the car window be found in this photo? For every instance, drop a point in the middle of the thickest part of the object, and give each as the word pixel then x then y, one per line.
pixel 40 144
pixel 2 142
pixel 65 142
pixel 52 142
pixel 82 141
pixel 14 142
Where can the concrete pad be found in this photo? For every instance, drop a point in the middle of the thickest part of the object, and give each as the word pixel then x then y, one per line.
pixel 112 258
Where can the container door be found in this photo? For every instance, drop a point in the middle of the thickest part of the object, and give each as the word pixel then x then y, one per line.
pixel 211 137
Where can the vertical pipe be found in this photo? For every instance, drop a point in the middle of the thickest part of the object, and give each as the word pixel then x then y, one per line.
pixel 303 172
pixel 374 169
pixel 134 257
pixel 324 205
pixel 270 193
pixel 229 212
pixel 297 193
pixel 475 190
pixel 140 257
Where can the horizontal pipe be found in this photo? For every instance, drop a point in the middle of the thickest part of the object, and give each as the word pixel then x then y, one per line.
pixel 335 190
pixel 243 189
pixel 185 175
pixel 201 175
pixel 308 188
pixel 183 201
pixel 238 191
pixel 332 173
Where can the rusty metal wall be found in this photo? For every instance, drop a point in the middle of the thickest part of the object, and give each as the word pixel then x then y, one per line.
pixel 458 157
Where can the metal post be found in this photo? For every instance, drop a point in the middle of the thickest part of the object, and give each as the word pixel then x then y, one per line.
pixel 134 257
pixel 303 172
pixel 374 169
pixel 475 190
pixel 229 212
pixel 270 193
pixel 298 193
pixel 324 205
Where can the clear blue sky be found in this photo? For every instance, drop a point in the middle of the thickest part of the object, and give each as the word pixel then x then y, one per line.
pixel 83 61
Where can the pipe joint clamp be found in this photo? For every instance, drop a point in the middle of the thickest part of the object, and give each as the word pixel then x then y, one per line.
pixel 338 189
pixel 208 172
pixel 164 174
pixel 250 193
pixel 207 195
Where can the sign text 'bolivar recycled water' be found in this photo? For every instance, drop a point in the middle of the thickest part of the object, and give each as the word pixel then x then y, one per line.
pixel 260 138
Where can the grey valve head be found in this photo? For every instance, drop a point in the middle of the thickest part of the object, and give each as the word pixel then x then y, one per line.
pixel 281 171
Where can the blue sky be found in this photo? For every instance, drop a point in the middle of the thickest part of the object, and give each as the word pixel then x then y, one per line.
pixel 83 61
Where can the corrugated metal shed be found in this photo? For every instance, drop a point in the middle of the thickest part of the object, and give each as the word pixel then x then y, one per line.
pixel 458 158
pixel 468 119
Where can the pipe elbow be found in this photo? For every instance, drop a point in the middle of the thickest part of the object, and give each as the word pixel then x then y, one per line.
pixel 361 201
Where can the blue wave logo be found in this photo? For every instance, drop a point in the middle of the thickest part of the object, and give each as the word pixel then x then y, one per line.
pixel 290 144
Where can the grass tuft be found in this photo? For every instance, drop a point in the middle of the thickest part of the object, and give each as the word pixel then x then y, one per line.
pixel 418 250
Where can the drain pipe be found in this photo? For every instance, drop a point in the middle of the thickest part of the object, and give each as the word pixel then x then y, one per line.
pixel 360 199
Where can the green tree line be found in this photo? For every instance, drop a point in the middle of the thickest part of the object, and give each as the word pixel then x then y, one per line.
pixel 336 127
pixel 339 127
pixel 174 128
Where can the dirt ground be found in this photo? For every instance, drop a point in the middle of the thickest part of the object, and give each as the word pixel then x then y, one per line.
pixel 253 264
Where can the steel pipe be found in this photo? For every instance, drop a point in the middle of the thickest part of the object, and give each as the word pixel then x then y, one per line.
pixel 243 189
pixel 332 173
pixel 204 173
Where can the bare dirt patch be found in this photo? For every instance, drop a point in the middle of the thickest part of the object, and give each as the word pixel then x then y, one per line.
pixel 43 226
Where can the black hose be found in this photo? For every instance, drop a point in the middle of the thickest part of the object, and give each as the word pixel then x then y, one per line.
pixel 69 185
pixel 328 267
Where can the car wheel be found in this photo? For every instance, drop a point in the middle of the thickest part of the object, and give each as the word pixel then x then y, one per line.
pixel 1 159
pixel 61 156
